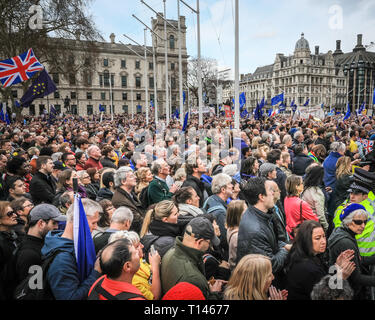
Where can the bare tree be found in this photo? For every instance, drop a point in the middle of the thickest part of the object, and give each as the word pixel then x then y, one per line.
pixel 55 41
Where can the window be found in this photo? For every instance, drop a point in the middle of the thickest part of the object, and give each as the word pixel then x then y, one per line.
pixel 41 109
pixel 173 82
pixel 87 79
pixel 56 95
pixel 56 78
pixel 101 80
pixel 138 64
pixel 171 42
pixel 139 109
pixel 74 109
pixel 72 79
pixel 137 82
pixel 14 94
pixel 73 95
pixel 124 81
pixel 106 78
pixel 32 110
pixel 125 109
pixel 151 66
pixel 124 96
pixel 90 109
pixel 103 95
pixel 105 62
pixel 89 95
pixel 123 64
pixel 58 108
pixel 151 82
pixel 172 66
pixel 104 108
pixel 139 96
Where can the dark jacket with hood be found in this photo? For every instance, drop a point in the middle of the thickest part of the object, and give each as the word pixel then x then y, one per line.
pixel 162 235
pixel 104 193
pixel 42 188
pixel 62 274
pixel 341 239
pixel 300 163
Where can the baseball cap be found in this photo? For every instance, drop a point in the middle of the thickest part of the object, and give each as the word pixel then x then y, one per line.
pixel 201 228
pixel 46 211
pixel 184 291
pixel 58 165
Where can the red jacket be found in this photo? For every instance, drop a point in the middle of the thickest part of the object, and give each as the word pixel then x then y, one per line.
pixel 116 287
pixel 92 163
pixel 292 206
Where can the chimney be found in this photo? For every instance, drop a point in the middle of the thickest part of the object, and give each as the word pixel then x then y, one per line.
pixel 338 48
pixel 359 46
pixel 112 37
pixel 316 50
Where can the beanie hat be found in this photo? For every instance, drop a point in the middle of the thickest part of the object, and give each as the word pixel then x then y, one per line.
pixel 184 291
pixel 350 208
pixel 265 168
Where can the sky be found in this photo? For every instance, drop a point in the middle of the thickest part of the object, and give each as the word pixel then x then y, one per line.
pixel 267 27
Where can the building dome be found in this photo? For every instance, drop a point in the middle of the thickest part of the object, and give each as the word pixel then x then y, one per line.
pixel 302 44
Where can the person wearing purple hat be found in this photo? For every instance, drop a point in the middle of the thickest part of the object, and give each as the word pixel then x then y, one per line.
pixel 354 218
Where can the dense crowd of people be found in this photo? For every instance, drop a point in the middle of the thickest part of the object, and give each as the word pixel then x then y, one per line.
pixel 280 209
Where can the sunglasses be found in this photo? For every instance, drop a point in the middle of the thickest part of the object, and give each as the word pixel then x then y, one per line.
pixel 10 213
pixel 359 222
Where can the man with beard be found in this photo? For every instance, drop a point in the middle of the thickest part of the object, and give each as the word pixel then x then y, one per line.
pixel 43 218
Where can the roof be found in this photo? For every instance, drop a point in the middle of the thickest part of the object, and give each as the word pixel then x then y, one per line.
pixel 356 57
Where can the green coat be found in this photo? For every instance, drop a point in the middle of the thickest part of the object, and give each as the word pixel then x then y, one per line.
pixel 184 264
pixel 158 191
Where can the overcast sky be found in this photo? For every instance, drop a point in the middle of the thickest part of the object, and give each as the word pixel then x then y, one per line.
pixel 267 27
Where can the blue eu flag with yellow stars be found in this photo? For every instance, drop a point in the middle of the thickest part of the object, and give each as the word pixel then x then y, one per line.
pixel 42 86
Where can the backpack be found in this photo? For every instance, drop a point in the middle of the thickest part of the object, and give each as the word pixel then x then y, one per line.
pixel 23 290
pixel 99 290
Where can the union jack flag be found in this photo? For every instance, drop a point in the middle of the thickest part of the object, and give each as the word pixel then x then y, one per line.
pixel 19 68
pixel 368 145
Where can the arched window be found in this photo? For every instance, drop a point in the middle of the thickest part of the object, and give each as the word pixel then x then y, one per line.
pixel 171 42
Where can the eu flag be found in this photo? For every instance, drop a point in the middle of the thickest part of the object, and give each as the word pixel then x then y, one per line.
pixel 348 113
pixel 373 98
pixel 42 86
pixel 83 243
pixel 277 99
pixel 101 108
pixel 2 115
pixel 183 97
pixel 185 121
pixel 307 102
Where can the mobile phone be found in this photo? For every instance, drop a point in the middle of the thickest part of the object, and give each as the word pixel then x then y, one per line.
pixel 152 249
pixel 75 185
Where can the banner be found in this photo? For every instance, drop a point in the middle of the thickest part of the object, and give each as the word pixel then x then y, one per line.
pixel 228 112
pixel 315 111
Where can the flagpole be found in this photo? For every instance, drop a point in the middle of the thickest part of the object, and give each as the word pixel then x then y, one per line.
pixel 145 75
pixel 236 68
pixel 110 92
pixel 180 62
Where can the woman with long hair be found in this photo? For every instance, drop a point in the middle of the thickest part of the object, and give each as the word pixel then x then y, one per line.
pixel 249 169
pixel 65 183
pixel 251 280
pixel 235 210
pixel 344 178
pixel 296 209
pixel 314 195
pixel 307 261
pixel 160 227
pixel 144 177
pixel 85 181
pixel 80 160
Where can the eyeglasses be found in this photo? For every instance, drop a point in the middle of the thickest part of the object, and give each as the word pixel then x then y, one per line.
pixel 359 222
pixel 85 177
pixel 10 213
pixel 29 205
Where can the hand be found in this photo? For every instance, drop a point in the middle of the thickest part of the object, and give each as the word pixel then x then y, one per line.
pixel 217 286
pixel 328 189
pixel 276 294
pixel 154 259
pixel 288 247
pixel 347 269
pixel 224 264
pixel 97 265
pixel 344 257
pixel 357 155
pixel 174 188
pixel 356 161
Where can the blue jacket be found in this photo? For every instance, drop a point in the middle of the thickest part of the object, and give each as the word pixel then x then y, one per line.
pixel 62 274
pixel 329 166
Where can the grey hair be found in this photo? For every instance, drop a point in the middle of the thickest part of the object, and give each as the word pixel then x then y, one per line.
pixel 323 291
pixel 132 236
pixel 338 146
pixel 92 147
pixel 298 134
pixel 350 217
pixel 287 138
pixel 230 169
pixel 65 198
pixel 81 173
pixel 91 207
pixel 56 156
pixel 156 166
pixel 120 175
pixel 121 215
pixel 219 181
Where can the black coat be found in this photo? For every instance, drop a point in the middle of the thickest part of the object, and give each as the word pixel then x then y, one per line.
pixel 42 188
pixel 343 239
pixel 198 186
pixel 300 163
pixel 302 276
pixel 258 234
pixel 162 235
pixel 108 163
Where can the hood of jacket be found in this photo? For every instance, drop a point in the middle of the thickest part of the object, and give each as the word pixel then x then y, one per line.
pixel 341 233
pixel 54 241
pixel 160 228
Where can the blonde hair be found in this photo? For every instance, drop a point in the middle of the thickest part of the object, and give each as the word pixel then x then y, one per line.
pixel 256 141
pixel 141 174
pixel 342 166
pixel 249 278
pixel 162 210
pixel 234 213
